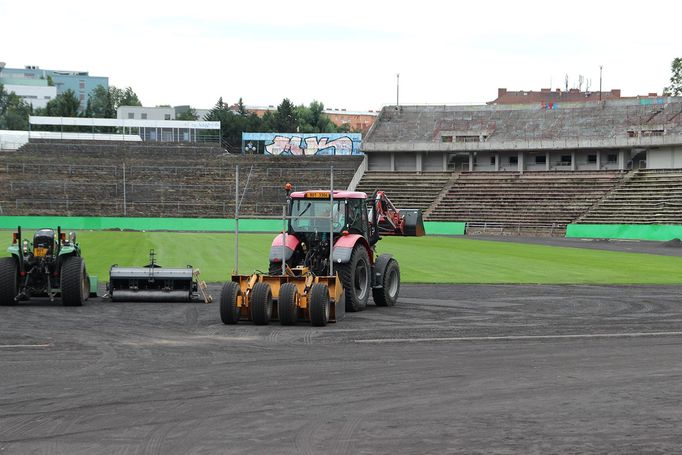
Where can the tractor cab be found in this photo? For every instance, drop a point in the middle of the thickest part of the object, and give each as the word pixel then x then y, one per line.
pixel 311 210
pixel 44 243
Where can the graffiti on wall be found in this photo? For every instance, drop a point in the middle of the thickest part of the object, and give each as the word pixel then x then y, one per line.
pixel 302 144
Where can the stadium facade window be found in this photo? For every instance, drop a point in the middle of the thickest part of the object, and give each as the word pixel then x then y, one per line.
pixel 565 159
pixel 81 85
pixel 446 138
pixel 540 159
pixel 143 116
pixel 592 159
pixel 513 159
pixel 492 160
pixel 612 158
pixel 166 117
pixel 131 115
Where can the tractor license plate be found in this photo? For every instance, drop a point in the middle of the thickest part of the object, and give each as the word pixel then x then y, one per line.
pixel 317 195
pixel 39 252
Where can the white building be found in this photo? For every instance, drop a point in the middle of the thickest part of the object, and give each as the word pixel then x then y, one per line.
pixel 145 113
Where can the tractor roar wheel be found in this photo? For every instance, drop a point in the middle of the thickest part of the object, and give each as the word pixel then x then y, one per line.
pixel 8 281
pixel 286 304
pixel 229 311
pixel 387 294
pixel 319 304
pixel 75 282
pixel 355 277
pixel 261 303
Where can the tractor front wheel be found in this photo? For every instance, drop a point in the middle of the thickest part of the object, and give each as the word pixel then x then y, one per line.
pixel 387 294
pixel 356 279
pixel 9 281
pixel 261 303
pixel 319 304
pixel 286 304
pixel 74 282
pixel 229 311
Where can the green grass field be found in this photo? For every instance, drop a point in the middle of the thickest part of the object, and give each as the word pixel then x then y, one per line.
pixel 422 259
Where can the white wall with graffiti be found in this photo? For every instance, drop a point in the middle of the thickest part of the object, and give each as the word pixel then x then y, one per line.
pixel 302 144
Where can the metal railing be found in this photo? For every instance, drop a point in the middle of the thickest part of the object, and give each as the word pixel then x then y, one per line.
pixel 511 228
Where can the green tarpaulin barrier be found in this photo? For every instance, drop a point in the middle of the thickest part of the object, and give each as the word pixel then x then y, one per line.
pixel 177 224
pixel 625 231
pixel 444 228
pixel 139 224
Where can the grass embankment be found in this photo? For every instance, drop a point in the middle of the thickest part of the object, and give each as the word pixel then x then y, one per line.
pixel 422 260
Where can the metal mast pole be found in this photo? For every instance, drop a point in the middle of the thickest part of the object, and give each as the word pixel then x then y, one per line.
pixel 331 222
pixel 125 210
pixel 236 219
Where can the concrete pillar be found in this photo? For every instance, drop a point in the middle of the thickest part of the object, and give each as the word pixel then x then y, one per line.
pixel 621 159
pixel 520 164
pixel 547 161
pixel 392 166
pixel 598 160
pixel 573 166
pixel 445 162
pixel 418 163
pixel 471 161
pixel 497 162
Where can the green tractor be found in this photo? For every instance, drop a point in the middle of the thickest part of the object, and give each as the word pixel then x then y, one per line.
pixel 48 266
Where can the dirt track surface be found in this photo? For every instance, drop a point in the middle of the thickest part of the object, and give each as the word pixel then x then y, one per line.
pixel 452 369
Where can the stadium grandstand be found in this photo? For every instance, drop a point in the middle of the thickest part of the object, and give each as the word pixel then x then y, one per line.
pixel 154 179
pixel 531 166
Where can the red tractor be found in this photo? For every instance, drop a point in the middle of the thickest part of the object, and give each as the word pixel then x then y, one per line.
pixel 325 263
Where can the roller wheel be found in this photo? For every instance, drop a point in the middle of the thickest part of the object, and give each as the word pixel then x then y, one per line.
pixel 319 304
pixel 286 304
pixel 387 294
pixel 229 311
pixel 356 279
pixel 75 285
pixel 261 303
pixel 9 281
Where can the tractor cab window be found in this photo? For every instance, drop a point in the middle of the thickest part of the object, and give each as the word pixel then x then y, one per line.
pixel 357 216
pixel 312 215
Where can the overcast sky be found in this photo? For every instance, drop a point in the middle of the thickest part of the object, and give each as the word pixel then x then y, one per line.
pixel 346 53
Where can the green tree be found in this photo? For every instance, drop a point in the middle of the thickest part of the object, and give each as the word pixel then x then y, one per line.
pixel 100 103
pixel 123 97
pixel 286 119
pixel 241 108
pixel 675 87
pixel 66 104
pixel 221 113
pixel 130 98
pixel 14 111
pixel 312 119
